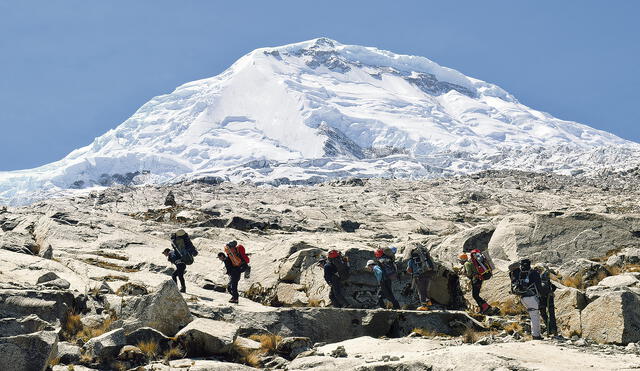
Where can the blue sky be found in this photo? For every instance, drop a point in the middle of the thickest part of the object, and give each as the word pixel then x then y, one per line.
pixel 71 70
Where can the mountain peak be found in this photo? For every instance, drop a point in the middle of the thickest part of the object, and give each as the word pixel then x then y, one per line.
pixel 318 109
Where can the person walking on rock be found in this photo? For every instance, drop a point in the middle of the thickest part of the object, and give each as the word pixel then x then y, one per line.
pixel 525 282
pixel 334 279
pixel 234 274
pixel 421 268
pixel 181 267
pixel 476 282
pixel 546 298
pixel 383 276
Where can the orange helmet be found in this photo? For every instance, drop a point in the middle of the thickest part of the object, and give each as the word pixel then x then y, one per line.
pixel 333 254
pixel 463 256
pixel 379 253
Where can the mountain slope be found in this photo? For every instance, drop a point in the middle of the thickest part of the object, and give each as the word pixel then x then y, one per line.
pixel 305 112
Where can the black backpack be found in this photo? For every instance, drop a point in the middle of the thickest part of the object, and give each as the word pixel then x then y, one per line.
pixel 546 286
pixel 185 248
pixel 343 268
pixel 422 260
pixel 389 269
pixel 522 285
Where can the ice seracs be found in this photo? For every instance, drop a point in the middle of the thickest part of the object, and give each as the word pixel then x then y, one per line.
pixel 307 112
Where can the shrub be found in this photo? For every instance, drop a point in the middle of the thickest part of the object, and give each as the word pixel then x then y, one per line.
pixel 510 307
pixel 149 348
pixel 427 333
pixel 173 353
pixel 268 342
pixel 513 328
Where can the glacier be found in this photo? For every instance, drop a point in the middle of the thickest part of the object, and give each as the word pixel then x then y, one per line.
pixel 308 112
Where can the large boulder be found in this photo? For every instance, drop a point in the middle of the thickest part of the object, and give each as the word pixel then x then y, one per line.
pixel 164 310
pixel 106 346
pixel 555 237
pixel 31 352
pixel 291 295
pixel 69 353
pixel 613 318
pixel 48 304
pixel 26 325
pixel 569 302
pixel 345 323
pixel 205 337
pixel 622 282
pixel 466 240
pixel 495 290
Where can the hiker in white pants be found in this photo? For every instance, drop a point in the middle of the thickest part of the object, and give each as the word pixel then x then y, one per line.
pixel 531 303
pixel 525 282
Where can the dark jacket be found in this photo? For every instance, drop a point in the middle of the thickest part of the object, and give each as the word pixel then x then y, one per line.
pixel 330 273
pixel 230 268
pixel 174 258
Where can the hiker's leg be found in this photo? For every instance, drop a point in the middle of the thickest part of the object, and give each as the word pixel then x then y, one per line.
pixel 476 285
pixel 542 307
pixel 553 327
pixel 421 284
pixel 388 292
pixel 531 303
pixel 234 285
pixel 339 294
pixel 381 296
pixel 181 268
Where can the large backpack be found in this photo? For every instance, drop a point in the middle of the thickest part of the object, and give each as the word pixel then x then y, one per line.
pixel 234 255
pixel 389 269
pixel 341 264
pixel 522 286
pixel 546 286
pixel 422 260
pixel 180 247
pixel 481 264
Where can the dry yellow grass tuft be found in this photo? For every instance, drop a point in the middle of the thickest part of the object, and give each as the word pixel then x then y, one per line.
pixel 72 325
pixel 247 356
pixel 470 336
pixel 149 348
pixel 513 328
pixel 510 307
pixel 173 353
pixel 316 303
pixel 54 362
pixel 268 342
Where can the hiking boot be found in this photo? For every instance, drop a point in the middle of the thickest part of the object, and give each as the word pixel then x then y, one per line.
pixel 423 308
pixel 233 301
pixel 536 337
pixel 183 289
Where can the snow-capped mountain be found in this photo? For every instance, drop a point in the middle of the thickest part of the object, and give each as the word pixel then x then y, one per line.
pixel 307 112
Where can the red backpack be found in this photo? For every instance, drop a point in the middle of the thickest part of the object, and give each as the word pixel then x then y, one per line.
pixel 237 255
pixel 481 263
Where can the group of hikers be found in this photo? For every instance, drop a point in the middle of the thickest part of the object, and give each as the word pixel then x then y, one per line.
pixel 532 284
pixel 234 258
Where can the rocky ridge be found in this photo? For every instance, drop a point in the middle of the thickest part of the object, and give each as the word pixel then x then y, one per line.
pixel 82 280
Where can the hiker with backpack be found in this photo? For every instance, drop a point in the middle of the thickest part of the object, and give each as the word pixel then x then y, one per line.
pixel 182 255
pixel 526 283
pixel 546 298
pixel 473 270
pixel 336 271
pixel 421 268
pixel 181 267
pixel 385 272
pixel 234 273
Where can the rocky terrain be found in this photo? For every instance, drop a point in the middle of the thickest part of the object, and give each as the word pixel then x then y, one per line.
pixel 84 286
